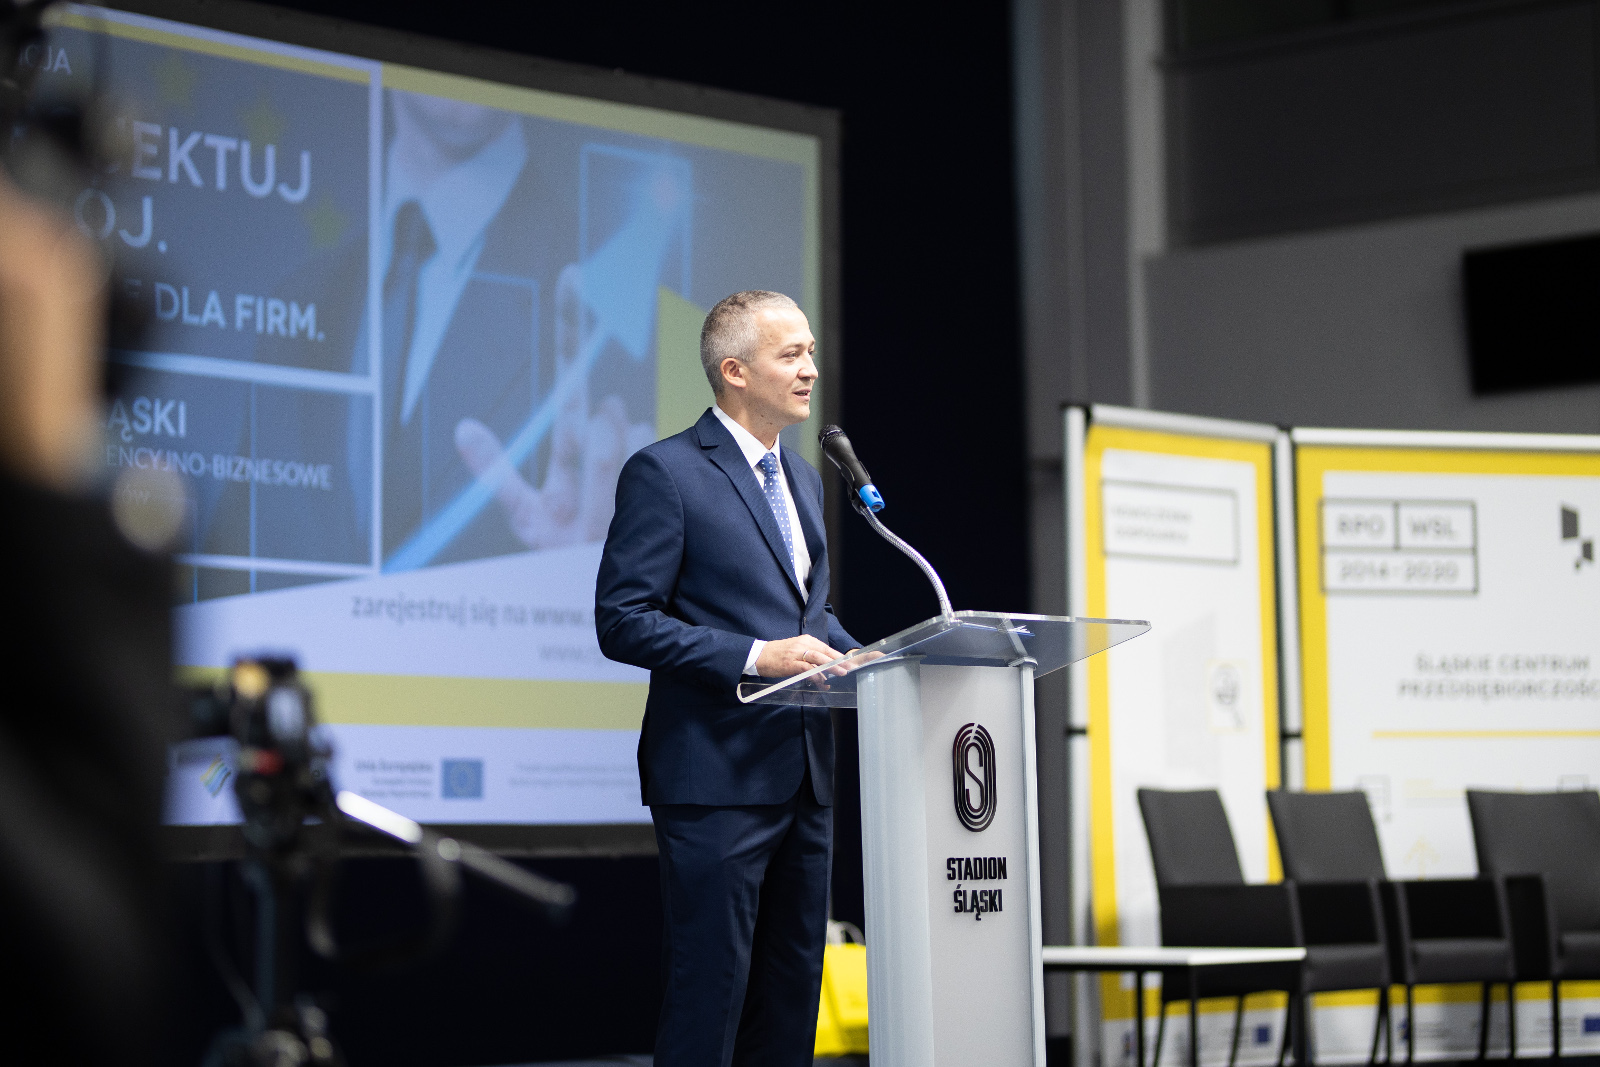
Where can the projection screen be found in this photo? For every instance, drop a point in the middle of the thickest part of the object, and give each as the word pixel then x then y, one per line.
pixel 406 307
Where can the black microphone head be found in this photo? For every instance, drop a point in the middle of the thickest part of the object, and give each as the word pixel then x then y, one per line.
pixel 836 446
pixel 831 438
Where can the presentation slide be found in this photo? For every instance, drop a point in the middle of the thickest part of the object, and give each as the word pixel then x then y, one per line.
pixel 400 331
pixel 1447 617
pixel 1177 528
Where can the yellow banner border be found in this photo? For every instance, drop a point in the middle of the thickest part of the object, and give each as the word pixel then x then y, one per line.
pixel 359 72
pixel 1117 1002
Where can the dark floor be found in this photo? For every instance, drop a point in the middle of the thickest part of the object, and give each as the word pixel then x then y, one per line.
pixel 861 1061
pixel 645 1061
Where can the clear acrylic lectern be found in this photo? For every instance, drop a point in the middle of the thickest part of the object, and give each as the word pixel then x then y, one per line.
pixel 949 827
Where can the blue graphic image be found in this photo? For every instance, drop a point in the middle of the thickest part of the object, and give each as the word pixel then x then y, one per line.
pixel 616 284
pixel 387 330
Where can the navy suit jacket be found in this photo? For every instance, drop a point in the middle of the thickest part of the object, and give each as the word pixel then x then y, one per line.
pixel 694 569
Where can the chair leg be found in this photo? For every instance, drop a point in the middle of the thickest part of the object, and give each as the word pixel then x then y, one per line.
pixel 1288 1029
pixel 1304 1054
pixel 1194 1017
pixel 1511 1020
pixel 1388 1026
pixel 1483 1025
pixel 1411 1024
pixel 1161 1034
pixel 1377 1027
pixel 1138 1018
pixel 1555 1017
pixel 1238 1025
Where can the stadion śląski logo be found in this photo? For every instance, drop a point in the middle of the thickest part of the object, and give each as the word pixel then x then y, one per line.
pixel 973 765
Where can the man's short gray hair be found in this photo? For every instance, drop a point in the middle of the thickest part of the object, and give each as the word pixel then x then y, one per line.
pixel 730 330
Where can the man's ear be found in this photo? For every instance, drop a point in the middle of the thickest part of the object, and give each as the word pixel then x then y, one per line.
pixel 733 373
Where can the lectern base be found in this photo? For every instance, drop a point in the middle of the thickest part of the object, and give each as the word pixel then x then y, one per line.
pixel 949 822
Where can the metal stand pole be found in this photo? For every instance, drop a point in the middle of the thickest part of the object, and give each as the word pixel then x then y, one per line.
pixel 915 556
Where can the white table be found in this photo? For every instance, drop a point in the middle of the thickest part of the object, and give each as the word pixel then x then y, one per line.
pixel 1141 960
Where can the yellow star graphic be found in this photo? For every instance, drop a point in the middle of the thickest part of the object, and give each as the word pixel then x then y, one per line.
pixel 263 123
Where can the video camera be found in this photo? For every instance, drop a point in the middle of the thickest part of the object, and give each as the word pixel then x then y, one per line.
pixel 294 821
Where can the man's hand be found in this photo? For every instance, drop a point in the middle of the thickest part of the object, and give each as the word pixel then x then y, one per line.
pixel 575 502
pixel 528 514
pixel 787 658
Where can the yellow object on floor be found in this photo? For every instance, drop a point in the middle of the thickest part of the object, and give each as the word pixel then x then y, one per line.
pixel 842 1014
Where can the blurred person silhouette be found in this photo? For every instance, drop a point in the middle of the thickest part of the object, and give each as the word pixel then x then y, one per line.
pixel 87 664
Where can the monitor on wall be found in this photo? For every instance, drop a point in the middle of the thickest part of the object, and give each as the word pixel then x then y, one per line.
pixel 1531 319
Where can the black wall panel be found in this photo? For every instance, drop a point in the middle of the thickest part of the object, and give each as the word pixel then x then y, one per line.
pixel 1386 119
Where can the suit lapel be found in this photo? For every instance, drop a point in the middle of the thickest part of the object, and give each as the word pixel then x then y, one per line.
pixel 725 453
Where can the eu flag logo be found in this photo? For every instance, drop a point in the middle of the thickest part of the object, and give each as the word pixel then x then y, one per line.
pixel 461 779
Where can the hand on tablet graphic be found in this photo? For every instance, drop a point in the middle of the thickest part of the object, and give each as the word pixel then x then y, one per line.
pixel 587 450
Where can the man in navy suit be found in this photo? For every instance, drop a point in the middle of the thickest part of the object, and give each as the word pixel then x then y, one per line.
pixel 716 568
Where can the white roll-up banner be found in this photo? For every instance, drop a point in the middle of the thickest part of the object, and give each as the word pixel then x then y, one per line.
pixel 1175 525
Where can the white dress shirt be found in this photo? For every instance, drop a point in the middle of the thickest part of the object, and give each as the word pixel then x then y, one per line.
pixel 753 451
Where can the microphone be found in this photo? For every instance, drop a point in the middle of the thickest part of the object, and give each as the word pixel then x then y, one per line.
pixel 837 447
pixel 869 500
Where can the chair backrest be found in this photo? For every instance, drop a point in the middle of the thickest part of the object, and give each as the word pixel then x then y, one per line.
pixel 1326 837
pixel 1556 835
pixel 1191 842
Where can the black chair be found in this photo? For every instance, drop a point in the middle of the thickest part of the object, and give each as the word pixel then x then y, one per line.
pixel 1451 930
pixel 1544 849
pixel 1205 902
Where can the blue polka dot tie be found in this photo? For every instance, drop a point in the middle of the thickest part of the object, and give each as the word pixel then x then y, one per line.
pixel 780 511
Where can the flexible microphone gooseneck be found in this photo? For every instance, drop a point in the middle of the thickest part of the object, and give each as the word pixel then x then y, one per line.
pixel 867 500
